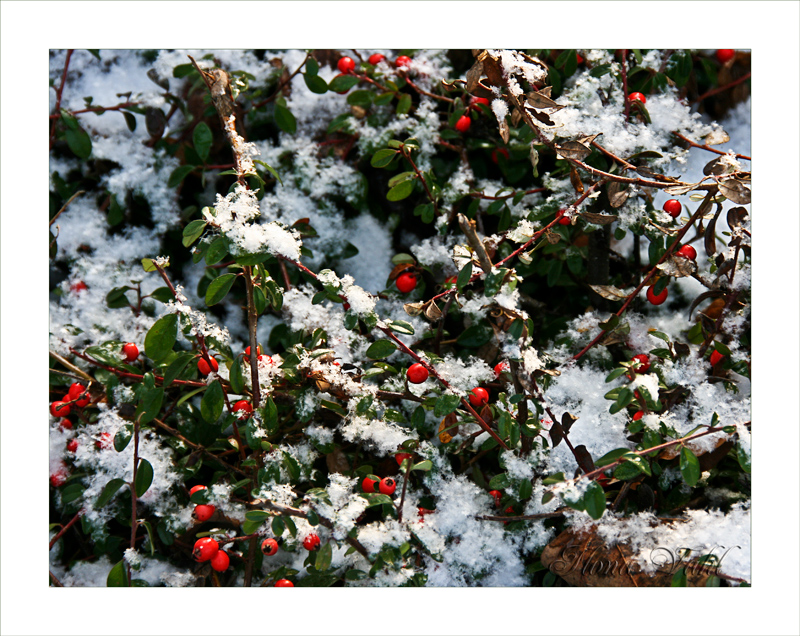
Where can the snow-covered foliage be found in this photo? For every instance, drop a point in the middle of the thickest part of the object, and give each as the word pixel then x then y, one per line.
pixel 282 212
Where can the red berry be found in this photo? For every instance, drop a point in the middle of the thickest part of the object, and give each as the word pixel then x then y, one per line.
pixel 105 441
pixel 687 251
pixel 58 478
pixel 203 512
pixel 479 396
pixel 346 65
pixel 406 282
pixel 501 151
pixel 376 58
pixel 402 60
pixel 673 208
pixel 656 300
pixel 644 363
pixel 463 123
pixel 311 542
pixel 65 425
pixel 387 486
pixel 637 416
pixel 59 409
pixel 284 583
pixel 78 287
pixel 497 497
pixel 205 549
pixel 72 445
pixel 501 367
pixel 509 510
pixel 579 58
pixel 450 282
pixel 475 101
pixel 245 406
pixel 417 373
pixel 715 358
pixel 76 390
pixel 220 561
pixel 204 367
pixel 195 489
pixel 563 217
pixel 131 351
pixel 725 55
pixel 269 547
pixel 637 97
pixel 259 351
pixel 401 457
pixel 369 485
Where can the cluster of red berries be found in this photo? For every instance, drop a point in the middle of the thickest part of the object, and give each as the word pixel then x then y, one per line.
pixel 464 122
pixel 385 486
pixel 77 396
pixel 207 549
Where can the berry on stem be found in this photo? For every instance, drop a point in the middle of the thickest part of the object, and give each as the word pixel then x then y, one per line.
pixel 673 208
pixel 259 351
pixel 637 97
pixel 637 416
pixel 475 101
pixel 687 251
pixel 406 282
pixel 269 547
pixel 59 409
pixel 479 396
pixel 401 457
pixel 203 512
pixel 65 424
pixel 244 406
pixel 195 489
pixel 376 58
pixel 204 367
pixel 311 542
pixel 497 497
pixel 220 561
pixel 346 65
pixel 656 300
pixel 369 485
pixel 417 373
pixel 716 358
pixel 563 217
pixel 131 351
pixel 402 60
pixel 205 549
pixel 463 123
pixel 725 55
pixel 387 486
pixel 72 445
pixel 284 583
pixel 58 478
pixel 644 363
pixel 501 367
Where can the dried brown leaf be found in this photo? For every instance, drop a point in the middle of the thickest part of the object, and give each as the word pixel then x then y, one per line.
pixel 609 292
pixel 678 267
pixel 474 75
pixel 432 311
pixel 541 101
pixel 504 131
pixel 573 150
pixel 736 217
pixel 735 190
pixel 717 137
pixel 575 180
pixel 715 167
pixel 617 194
pixel 493 70
pixel 682 189
pixel 598 219
pixel 448 428
pixel 413 309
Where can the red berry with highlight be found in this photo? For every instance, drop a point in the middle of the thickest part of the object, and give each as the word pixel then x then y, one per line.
pixel 463 123
pixel 205 549
pixel 725 55
pixel 369 485
pixel 346 65
pixel 401 457
pixel 501 367
pixel 203 512
pixel 406 282
pixel 376 58
pixel 497 497
pixel 479 396
pixel 563 217
pixel 65 425
pixel 637 97
pixel 284 583
pixel 387 486
pixel 673 208
pixel 195 489
pixel 244 407
pixel 311 542
pixel 417 373
pixel 402 60
pixel 72 445
pixel 220 561
pixel 476 101
pixel 269 547
pixel 656 300
pixel 131 351
pixel 687 251
pixel 716 357
pixel 58 478
pixel 637 416
pixel 59 409
pixel 644 363
pixel 204 367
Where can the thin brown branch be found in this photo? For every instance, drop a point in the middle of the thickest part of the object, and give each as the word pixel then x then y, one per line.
pixel 64 207
pixel 198 447
pixel 542 515
pixel 720 89
pixel 63 530
pixel 282 85
pixel 59 93
pixel 422 91
pixel 707 147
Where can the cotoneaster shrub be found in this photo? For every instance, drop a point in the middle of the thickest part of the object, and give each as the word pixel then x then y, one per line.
pixel 251 250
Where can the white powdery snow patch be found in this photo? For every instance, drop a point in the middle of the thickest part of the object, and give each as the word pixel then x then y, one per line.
pixel 436 251
pixel 346 506
pixel 379 436
pixel 464 375
pixel 372 265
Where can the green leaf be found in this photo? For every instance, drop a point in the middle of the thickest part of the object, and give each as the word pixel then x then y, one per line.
pixel 381 349
pixel 278 527
pixel 446 404
pixel 500 482
pixel 236 376
pixel 324 556
pixel 401 326
pixel 176 367
pixel 144 477
pixel 108 492
pixel 424 465
pixel 250 527
pixel 360 98
pixel 690 466
pixel 118 576
pixel 494 281
pixel 162 294
pixel 285 120
pixel 149 404
pixel 377 499
pixel 161 338
pixel 257 515
pixel 594 500
pixel 213 402
pixel 400 191
pixel 219 288
pixel 148 265
pixel 123 437
pixel 679 579
pixel 341 84
pixel 130 120
pixel 315 83
pixel 193 231
pixel 611 457
pixel 403 104
pixel 292 467
pixel 555 478
pixel 202 139
pixel 116 298
pixel 313 518
pixel 79 142
pixel 525 489
pixel 464 276
pixel 355 575
pixel 383 158
pixel 616 373
pixel 475 336
pixel 178 175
